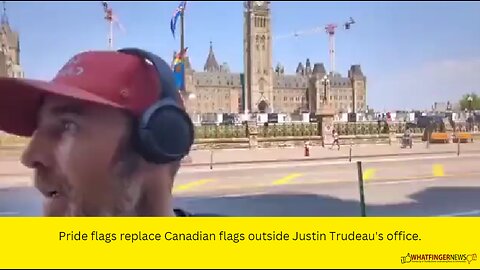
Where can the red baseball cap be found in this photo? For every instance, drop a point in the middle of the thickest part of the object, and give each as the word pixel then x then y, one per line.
pixel 104 77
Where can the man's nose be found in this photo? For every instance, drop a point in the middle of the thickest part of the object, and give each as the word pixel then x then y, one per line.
pixel 38 153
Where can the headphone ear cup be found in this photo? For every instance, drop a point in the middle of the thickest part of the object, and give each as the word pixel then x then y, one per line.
pixel 165 133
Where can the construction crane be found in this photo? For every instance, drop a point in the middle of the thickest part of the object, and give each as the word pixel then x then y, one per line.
pixel 111 19
pixel 330 29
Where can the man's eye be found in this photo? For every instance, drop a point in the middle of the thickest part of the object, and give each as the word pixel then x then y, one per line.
pixel 69 126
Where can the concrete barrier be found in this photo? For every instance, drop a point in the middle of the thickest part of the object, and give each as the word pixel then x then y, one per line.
pixel 7 141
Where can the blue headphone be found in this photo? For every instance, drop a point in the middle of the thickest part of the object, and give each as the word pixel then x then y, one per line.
pixel 164 132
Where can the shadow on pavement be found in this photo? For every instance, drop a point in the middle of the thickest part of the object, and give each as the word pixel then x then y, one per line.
pixel 429 202
pixel 20 201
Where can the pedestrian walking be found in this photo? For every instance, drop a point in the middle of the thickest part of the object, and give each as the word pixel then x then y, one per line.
pixel 335 139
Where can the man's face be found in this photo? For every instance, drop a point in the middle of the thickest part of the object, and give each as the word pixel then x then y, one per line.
pixel 81 162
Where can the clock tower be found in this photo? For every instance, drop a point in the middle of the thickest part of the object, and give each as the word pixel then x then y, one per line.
pixel 258 45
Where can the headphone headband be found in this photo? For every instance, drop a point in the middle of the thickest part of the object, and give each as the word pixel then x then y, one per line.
pixel 164 132
pixel 166 76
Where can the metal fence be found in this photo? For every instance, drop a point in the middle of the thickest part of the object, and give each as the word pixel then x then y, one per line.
pixel 299 129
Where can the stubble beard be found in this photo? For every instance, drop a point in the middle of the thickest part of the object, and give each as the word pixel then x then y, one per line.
pixel 126 192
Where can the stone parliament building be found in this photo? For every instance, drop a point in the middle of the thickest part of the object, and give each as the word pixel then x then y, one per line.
pixel 218 90
pixel 9 50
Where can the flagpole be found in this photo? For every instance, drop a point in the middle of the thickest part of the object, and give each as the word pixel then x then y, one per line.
pixel 182 31
pixel 182 46
pixel 110 35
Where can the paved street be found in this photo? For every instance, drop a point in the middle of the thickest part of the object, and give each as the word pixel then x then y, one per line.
pixel 223 156
pixel 409 186
pixel 241 156
pixel 424 185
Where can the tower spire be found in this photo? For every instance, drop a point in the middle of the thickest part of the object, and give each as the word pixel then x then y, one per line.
pixel 4 14
pixel 211 64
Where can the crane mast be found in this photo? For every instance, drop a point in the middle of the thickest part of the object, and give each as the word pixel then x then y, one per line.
pixel 330 29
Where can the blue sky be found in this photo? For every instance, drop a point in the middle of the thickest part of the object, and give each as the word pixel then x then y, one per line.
pixel 413 53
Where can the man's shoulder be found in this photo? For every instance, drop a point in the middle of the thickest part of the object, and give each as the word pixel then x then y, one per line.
pixel 183 213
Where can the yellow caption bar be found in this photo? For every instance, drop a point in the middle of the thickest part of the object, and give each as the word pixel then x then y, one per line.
pixel 240 242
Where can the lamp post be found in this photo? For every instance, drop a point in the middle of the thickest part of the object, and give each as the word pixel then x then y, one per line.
pixel 470 115
pixel 325 82
pixel 191 98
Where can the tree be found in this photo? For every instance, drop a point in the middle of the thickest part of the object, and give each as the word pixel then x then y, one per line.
pixel 465 104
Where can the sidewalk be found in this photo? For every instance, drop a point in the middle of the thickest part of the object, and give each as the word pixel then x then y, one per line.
pixel 10 164
pixel 239 156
